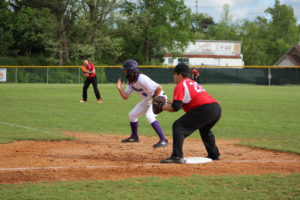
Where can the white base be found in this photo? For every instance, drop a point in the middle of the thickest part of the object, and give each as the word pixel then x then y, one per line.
pixel 197 160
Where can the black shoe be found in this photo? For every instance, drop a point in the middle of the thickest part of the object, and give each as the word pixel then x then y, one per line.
pixel 214 158
pixel 161 143
pixel 130 139
pixel 173 160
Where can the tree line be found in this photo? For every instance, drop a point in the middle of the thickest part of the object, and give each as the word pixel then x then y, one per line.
pixel 60 32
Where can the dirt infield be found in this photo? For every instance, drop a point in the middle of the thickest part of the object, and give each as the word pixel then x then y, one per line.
pixel 100 157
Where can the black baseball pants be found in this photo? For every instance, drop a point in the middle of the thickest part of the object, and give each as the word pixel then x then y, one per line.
pixel 86 85
pixel 202 118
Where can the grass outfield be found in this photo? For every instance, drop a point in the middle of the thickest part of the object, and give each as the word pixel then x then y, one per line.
pixel 262 116
pixel 193 187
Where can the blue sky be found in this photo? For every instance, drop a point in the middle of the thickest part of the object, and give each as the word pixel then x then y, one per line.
pixel 240 9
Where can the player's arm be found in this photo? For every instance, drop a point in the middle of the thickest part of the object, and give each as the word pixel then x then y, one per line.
pixel 120 86
pixel 173 106
pixel 177 100
pixel 157 91
pixel 91 71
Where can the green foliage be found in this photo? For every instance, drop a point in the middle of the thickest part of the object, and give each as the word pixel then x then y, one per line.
pixel 110 32
pixel 34 60
pixel 192 187
pixel 6 26
pixel 282 30
pixel 152 26
pixel 201 22
pixel 33 28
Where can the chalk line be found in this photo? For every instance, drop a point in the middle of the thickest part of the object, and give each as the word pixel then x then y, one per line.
pixel 25 127
pixel 139 165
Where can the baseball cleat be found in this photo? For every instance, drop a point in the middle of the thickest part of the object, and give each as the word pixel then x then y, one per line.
pixel 215 158
pixel 177 160
pixel 161 143
pixel 82 101
pixel 130 139
pixel 99 100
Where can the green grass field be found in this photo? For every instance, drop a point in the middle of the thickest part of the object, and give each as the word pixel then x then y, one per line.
pixel 261 116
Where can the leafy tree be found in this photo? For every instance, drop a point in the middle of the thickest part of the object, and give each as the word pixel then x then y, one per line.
pixel 96 25
pixel 282 30
pixel 201 22
pixel 150 27
pixel 63 11
pixel 200 25
pixel 225 29
pixel 33 28
pixel 254 41
pixel 6 25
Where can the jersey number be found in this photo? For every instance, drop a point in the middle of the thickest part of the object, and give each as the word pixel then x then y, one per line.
pixel 197 87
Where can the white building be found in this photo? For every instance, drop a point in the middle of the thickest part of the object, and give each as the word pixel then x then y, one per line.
pixel 209 53
pixel 290 58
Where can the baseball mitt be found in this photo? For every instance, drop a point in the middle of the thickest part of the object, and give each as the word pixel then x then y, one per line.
pixel 83 69
pixel 158 103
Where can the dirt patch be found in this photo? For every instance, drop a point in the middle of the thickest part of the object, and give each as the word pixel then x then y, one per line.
pixel 100 157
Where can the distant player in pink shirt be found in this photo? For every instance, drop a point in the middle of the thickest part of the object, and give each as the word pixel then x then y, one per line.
pixel 91 78
pixel 202 113
pixel 195 75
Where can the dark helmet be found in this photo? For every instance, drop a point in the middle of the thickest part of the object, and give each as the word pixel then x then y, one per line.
pixel 131 66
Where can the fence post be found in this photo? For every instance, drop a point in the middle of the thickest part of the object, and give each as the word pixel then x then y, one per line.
pixel 78 75
pixel 16 75
pixel 237 75
pixel 269 76
pixel 47 75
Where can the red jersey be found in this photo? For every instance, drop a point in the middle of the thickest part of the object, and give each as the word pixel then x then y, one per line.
pixel 195 72
pixel 191 94
pixel 90 67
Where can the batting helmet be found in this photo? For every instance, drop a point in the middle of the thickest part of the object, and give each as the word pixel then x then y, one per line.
pixel 131 66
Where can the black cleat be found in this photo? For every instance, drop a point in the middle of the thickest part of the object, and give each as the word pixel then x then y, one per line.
pixel 161 143
pixel 177 160
pixel 130 139
pixel 215 158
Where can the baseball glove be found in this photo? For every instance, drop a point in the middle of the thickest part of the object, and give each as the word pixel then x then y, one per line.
pixel 158 103
pixel 83 69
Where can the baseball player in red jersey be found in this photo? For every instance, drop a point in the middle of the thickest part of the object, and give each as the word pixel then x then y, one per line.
pixel 91 78
pixel 202 113
pixel 195 75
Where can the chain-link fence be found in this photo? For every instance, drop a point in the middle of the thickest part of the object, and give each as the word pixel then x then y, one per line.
pixel 261 75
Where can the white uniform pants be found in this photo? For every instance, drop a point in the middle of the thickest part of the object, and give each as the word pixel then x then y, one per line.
pixel 142 108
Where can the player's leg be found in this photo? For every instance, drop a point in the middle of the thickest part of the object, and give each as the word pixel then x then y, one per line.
pixel 86 85
pixel 151 118
pixel 208 139
pixel 180 131
pixel 195 119
pixel 95 86
pixel 207 135
pixel 134 114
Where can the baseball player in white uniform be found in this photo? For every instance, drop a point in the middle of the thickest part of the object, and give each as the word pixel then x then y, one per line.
pixel 146 89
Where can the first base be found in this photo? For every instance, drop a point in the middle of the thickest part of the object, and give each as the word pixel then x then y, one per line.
pixel 196 160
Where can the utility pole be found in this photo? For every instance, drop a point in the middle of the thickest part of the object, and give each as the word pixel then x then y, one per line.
pixel 197 7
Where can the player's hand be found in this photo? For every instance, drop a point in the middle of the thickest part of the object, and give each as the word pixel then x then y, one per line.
pixel 120 84
pixel 86 74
